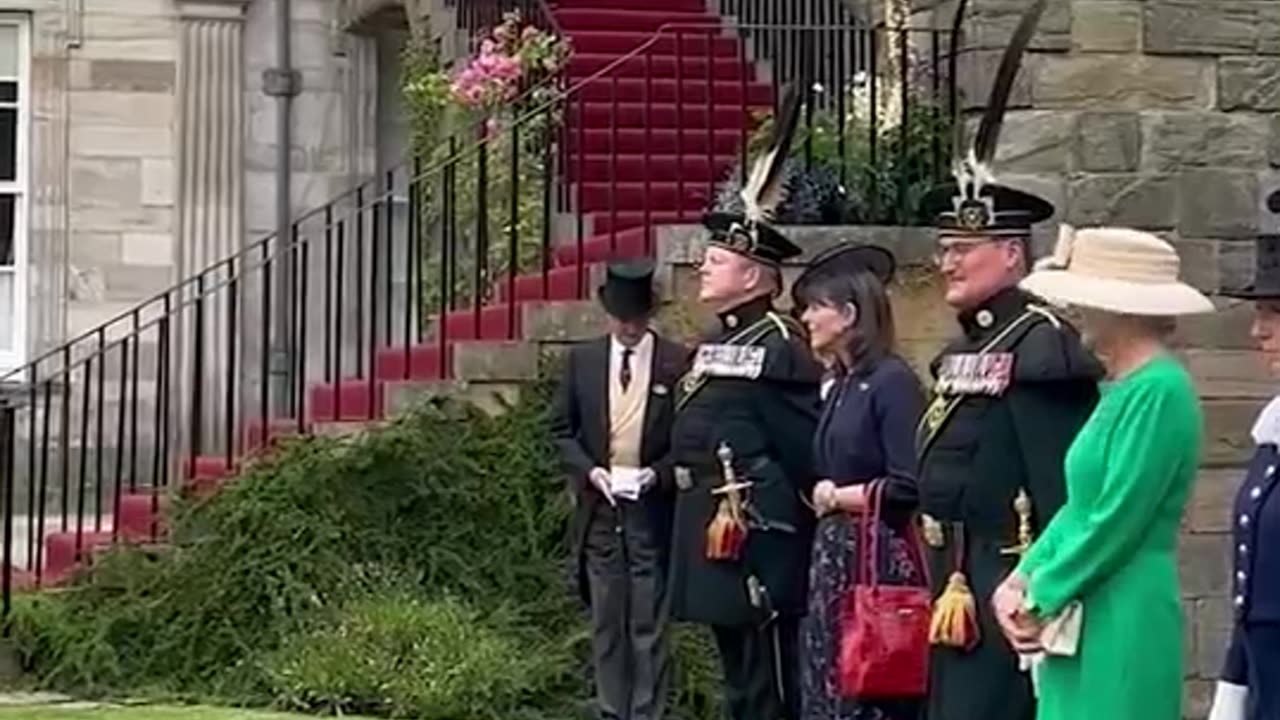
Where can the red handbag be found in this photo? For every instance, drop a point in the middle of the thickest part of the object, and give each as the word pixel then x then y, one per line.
pixel 884 629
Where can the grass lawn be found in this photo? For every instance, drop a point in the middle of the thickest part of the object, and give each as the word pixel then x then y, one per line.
pixel 141 712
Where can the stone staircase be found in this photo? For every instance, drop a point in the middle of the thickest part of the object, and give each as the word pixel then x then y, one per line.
pixel 659 117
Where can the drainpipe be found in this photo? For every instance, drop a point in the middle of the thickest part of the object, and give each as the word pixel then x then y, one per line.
pixel 283 83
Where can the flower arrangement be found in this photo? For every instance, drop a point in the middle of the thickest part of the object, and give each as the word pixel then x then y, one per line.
pixel 490 121
pixel 511 57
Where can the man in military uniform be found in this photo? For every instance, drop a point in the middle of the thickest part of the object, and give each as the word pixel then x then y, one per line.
pixel 1010 394
pixel 742 443
pixel 745 420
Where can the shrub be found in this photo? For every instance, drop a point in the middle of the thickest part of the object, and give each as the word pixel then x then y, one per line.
pixel 448 510
pixel 402 656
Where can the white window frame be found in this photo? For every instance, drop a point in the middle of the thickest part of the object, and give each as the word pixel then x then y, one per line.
pixel 20 188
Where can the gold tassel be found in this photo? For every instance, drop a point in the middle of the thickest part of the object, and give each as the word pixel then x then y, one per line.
pixel 726 533
pixel 955 615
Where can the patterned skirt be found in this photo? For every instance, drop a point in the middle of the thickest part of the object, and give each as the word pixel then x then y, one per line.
pixel 831 573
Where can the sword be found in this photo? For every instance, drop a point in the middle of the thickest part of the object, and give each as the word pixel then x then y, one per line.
pixel 726 534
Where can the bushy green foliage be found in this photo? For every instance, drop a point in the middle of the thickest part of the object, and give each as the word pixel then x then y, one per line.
pixel 362 548
pixel 406 657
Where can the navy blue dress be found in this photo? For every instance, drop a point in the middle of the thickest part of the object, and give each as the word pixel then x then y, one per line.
pixel 866 432
pixel 1253 659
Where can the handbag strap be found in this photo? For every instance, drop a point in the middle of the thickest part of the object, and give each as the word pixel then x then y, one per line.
pixel 868 570
pixel 868 538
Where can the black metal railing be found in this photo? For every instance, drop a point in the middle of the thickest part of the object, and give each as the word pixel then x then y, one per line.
pixel 386 280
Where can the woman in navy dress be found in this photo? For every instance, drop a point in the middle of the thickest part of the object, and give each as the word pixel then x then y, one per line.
pixel 871 405
pixel 1249 688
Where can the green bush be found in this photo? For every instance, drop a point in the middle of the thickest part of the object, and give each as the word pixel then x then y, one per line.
pixel 448 504
pixel 405 657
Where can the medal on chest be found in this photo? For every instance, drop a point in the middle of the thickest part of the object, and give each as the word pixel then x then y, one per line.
pixel 974 374
pixel 730 361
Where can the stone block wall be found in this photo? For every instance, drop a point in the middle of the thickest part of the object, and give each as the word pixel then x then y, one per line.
pixel 102 160
pixel 107 134
pixel 1157 114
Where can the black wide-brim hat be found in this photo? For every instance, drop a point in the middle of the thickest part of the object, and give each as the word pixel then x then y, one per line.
pixel 1266 268
pixel 996 210
pixel 842 259
pixel 756 240
pixel 627 292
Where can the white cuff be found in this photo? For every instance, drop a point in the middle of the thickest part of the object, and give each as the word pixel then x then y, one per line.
pixel 1228 701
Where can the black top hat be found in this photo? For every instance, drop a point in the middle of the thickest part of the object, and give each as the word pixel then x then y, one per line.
pixel 845 258
pixel 991 209
pixel 627 292
pixel 1266 273
pixel 756 240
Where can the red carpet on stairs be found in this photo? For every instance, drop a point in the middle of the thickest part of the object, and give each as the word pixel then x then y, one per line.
pixel 653 123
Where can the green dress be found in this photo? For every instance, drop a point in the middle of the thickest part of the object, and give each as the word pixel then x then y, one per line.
pixel 1113 547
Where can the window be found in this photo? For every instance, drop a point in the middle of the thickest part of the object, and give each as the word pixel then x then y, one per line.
pixel 15 108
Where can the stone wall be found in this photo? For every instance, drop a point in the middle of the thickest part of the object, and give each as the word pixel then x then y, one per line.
pixel 107 134
pixel 1158 114
pixel 102 160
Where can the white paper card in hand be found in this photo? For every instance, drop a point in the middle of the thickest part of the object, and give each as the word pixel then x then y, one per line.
pixel 625 482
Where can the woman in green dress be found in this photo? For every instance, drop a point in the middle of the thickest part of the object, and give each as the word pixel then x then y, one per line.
pixel 1093 607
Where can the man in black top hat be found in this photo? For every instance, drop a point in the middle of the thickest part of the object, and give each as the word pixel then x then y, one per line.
pixel 1010 395
pixel 742 442
pixel 612 425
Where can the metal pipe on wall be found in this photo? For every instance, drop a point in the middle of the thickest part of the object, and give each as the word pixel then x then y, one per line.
pixel 282 82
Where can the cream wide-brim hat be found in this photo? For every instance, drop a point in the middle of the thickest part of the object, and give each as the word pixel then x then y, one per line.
pixel 1117 270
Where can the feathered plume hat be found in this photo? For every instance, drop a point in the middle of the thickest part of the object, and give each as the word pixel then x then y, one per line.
pixel 975 203
pixel 750 233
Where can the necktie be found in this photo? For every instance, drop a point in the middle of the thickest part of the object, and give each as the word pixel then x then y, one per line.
pixel 625 376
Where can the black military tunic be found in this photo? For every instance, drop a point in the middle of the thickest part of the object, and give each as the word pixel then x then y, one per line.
pixel 1014 415
pixel 762 402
